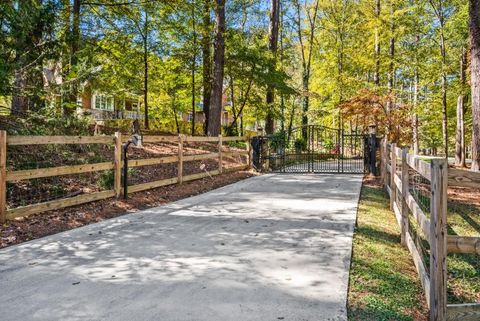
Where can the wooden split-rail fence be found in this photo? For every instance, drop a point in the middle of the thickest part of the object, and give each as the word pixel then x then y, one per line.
pixel 116 165
pixel 396 163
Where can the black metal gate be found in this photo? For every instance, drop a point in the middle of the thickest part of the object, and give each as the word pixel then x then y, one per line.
pixel 312 149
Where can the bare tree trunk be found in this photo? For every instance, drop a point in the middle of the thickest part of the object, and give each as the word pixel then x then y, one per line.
pixel 475 81
pixel 416 143
pixel 207 61
pixel 25 77
pixel 416 81
pixel 194 64
pixel 444 94
pixel 175 113
pixel 145 69
pixel 391 68
pixel 215 111
pixel 306 58
pixel 272 46
pixel 440 13
pixel 74 47
pixel 460 132
pixel 376 75
pixel 290 121
pixel 282 98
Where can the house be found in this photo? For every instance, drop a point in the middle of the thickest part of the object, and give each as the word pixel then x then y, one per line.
pixel 104 106
pixel 99 104
pixel 227 115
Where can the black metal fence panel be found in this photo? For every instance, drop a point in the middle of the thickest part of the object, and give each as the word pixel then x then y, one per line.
pixel 312 149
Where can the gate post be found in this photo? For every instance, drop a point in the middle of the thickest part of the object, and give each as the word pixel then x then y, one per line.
pixel 372 150
pixel 310 149
pixel 385 159
pixel 393 165
pixel 341 141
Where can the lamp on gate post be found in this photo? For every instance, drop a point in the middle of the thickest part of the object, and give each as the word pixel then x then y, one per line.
pixel 372 149
pixel 136 140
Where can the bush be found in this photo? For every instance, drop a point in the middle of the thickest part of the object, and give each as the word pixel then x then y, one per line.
pixel 237 144
pixel 47 122
pixel 278 141
pixel 107 179
pixel 300 144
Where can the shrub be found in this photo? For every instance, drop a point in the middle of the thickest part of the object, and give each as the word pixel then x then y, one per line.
pixel 107 179
pixel 300 144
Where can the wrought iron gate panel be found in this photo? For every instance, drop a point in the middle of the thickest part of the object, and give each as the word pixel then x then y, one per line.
pixel 311 149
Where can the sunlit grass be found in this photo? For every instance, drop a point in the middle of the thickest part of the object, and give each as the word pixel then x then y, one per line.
pixel 383 281
pixel 463 269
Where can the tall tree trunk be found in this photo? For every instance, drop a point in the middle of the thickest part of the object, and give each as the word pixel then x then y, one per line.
pixel 66 51
pixel 460 132
pixel 340 67
pixel 391 68
pixel 475 81
pixel 416 142
pixel 207 61
pixel 444 93
pixel 305 101
pixel 175 113
pixel 243 99
pixel 25 77
pixel 290 121
pixel 306 58
pixel 216 106
pixel 376 75
pixel 233 127
pixel 71 105
pixel 272 46
pixel 194 64
pixel 145 69
pixel 282 98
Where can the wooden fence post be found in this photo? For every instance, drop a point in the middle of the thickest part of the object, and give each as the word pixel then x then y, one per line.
pixel 118 165
pixel 220 156
pixel 393 164
pixel 3 176
pixel 405 191
pixel 180 159
pixel 438 240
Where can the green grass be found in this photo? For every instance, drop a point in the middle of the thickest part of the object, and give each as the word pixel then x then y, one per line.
pixel 463 269
pixel 383 282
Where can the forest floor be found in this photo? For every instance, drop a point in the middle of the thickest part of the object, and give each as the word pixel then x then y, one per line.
pixel 36 226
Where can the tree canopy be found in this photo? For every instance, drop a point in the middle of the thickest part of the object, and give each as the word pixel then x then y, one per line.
pixel 404 65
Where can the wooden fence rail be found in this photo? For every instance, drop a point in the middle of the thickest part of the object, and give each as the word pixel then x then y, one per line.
pixel 433 226
pixel 116 165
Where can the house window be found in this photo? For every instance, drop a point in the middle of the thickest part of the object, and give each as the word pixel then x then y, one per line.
pixel 190 117
pixel 103 102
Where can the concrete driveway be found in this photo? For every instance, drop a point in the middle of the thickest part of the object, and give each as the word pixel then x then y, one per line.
pixel 273 247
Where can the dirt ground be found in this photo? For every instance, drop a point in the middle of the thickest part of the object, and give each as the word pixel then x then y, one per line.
pixel 39 225
pixel 26 192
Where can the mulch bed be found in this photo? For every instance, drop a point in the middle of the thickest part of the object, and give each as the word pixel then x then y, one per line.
pixel 39 225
